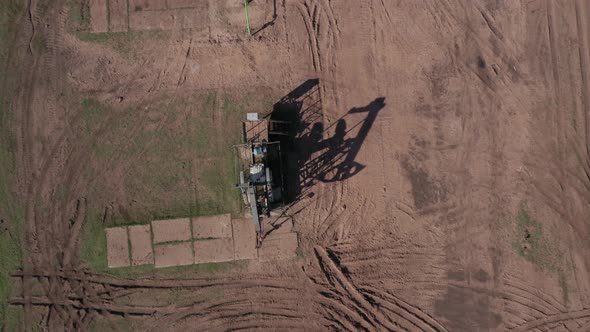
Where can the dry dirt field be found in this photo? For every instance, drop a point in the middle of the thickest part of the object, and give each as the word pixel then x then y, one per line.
pixel 439 177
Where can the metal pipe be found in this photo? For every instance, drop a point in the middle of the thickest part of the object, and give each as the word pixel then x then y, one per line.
pixel 247 17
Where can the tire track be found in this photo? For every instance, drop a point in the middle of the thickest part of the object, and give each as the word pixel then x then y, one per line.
pixel 247 306
pixel 344 313
pixel 337 226
pixel 337 279
pixel 581 18
pixel 537 294
pixel 323 34
pixel 334 29
pixel 254 298
pixel 514 298
pixel 337 323
pixel 541 322
pixel 26 97
pixel 527 303
pixel 307 14
pixel 398 315
pixel 552 36
pixel 164 283
pixel 370 302
pixel 416 314
pixel 199 309
pixel 585 327
pixel 513 279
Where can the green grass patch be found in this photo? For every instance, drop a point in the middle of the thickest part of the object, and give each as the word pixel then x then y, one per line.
pixel 205 269
pixel 173 158
pixel 13 319
pixel 9 11
pixel 93 250
pixel 125 43
pixel 531 243
pixel 79 15
pixel 39 44
pixel 110 323
pixel 10 209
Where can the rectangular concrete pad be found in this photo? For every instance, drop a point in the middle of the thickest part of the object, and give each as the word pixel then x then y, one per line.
pixel 173 254
pixel 118 15
pixel 278 246
pixel 117 247
pixel 194 18
pixel 98 16
pixel 244 239
pixel 171 230
pixel 141 245
pixel 214 250
pixel 218 226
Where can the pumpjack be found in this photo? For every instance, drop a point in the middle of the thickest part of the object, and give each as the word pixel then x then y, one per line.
pixel 259 165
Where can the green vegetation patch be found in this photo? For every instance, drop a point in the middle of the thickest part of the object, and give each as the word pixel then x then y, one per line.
pixel 535 246
pixel 169 158
pixel 185 271
pixel 126 43
pixel 111 323
pixel 79 15
pixel 10 209
pixel 9 11
pixel 531 243
pixel 94 244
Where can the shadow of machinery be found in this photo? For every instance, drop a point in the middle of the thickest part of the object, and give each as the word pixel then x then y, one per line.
pixel 268 23
pixel 312 152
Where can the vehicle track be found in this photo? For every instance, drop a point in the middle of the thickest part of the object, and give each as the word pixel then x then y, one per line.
pixel 541 322
pixel 160 283
pixel 323 34
pixel 537 295
pixel 581 18
pixel 259 297
pixel 373 309
pixel 25 100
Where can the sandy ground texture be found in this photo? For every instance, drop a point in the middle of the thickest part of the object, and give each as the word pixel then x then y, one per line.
pixel 172 230
pixel 117 247
pixel 440 178
pixel 212 226
pixel 173 254
pixel 140 238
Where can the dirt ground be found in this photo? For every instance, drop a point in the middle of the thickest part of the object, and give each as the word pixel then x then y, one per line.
pixel 440 174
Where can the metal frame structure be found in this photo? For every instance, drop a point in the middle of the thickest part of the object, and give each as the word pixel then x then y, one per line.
pixel 259 170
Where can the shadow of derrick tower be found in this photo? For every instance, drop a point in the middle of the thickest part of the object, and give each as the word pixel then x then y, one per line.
pixel 317 153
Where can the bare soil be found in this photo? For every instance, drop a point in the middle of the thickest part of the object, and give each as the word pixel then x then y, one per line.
pixel 173 254
pixel 140 238
pixel 118 246
pixel 214 250
pixel 100 16
pixel 438 176
pixel 172 230
pixel 244 235
pixel 212 226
